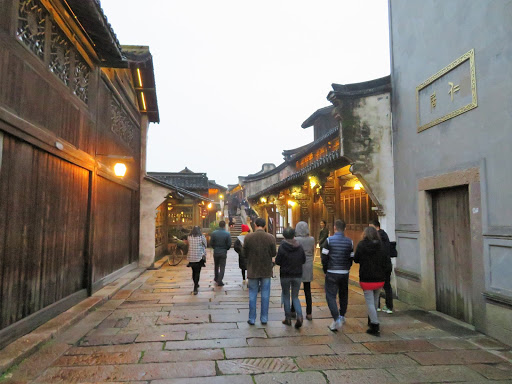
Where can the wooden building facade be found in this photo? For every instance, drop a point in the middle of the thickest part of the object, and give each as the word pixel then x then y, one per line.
pixel 71 106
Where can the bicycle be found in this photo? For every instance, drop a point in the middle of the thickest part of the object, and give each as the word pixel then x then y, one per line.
pixel 176 255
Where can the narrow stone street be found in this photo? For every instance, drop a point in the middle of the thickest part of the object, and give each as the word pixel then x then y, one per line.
pixel 155 331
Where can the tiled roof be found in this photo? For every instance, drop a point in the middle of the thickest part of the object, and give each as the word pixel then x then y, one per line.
pixel 332 158
pixel 178 189
pixel 194 181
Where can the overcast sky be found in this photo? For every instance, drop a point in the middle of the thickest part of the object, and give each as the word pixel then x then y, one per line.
pixel 235 79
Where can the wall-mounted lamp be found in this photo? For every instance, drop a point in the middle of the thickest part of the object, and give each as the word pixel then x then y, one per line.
pixel 358 186
pixel 263 200
pixel 209 205
pixel 221 196
pixel 292 203
pixel 119 169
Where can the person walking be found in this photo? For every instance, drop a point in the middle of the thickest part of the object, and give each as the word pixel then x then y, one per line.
pixel 196 254
pixel 238 246
pixel 220 242
pixel 388 290
pixel 324 233
pixel 371 256
pixel 290 257
pixel 259 248
pixel 308 244
pixel 336 263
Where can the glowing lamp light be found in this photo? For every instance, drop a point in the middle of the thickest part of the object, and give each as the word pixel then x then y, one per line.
pixel 263 200
pixel 312 183
pixel 209 205
pixel 119 169
pixel 221 197
pixel 358 186
pixel 292 203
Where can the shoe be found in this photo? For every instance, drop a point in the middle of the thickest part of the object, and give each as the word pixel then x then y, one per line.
pixel 250 322
pixel 287 321
pixel 309 317
pixel 387 310
pixel 343 320
pixel 336 325
pixel 195 290
pixel 293 315
pixel 378 309
pixel 221 284
pixel 299 322
pixel 374 330
pixel 263 323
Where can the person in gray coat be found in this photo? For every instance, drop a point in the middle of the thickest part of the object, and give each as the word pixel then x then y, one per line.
pixel 308 244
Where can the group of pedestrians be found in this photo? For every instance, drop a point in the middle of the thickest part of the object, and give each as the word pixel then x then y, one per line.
pixel 257 249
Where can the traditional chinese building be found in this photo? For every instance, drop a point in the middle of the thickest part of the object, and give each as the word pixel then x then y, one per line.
pixel 452 133
pixel 346 172
pixel 73 104
pixel 173 203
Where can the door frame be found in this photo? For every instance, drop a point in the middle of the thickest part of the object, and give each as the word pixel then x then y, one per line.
pixel 471 178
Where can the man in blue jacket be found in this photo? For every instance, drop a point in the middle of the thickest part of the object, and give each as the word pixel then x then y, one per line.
pixel 336 262
pixel 220 242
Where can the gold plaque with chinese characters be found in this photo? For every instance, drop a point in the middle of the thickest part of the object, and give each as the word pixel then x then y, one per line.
pixel 449 93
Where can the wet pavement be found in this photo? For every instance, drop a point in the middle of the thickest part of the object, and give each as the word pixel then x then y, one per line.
pixel 156 331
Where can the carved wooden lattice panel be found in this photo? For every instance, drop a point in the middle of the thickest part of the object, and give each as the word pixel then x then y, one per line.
pixel 81 79
pixel 122 125
pixel 60 55
pixel 32 25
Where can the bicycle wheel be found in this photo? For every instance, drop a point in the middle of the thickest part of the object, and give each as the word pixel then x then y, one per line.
pixel 174 259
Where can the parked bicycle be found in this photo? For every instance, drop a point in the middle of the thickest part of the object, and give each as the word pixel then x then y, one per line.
pixel 177 251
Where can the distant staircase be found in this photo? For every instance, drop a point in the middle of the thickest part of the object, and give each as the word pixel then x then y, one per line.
pixel 236 230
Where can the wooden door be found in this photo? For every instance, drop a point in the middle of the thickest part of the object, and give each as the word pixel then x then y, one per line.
pixel 452 252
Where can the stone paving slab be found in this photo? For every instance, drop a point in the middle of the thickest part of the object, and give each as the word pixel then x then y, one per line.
pixel 437 374
pixel 160 336
pixel 256 366
pixel 184 319
pixel 232 379
pixel 184 355
pixel 349 349
pixel 127 372
pixel 452 344
pixel 400 346
pixel 295 378
pixel 116 348
pixel 303 350
pixel 354 361
pixel 456 357
pixel 359 376
pixel 501 371
pixel 297 340
pixel 226 334
pixel 206 344
pixel 99 358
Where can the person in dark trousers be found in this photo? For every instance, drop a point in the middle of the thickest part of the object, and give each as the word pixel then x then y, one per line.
pixel 290 257
pixel 336 263
pixel 196 252
pixel 308 243
pixel 371 256
pixel 220 242
pixel 238 246
pixel 259 249
pixel 324 233
pixel 388 308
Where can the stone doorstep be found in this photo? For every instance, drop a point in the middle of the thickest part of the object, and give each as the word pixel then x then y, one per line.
pixel 28 344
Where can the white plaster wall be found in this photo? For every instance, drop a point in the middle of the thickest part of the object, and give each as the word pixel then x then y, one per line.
pixel 151 196
pixel 375 111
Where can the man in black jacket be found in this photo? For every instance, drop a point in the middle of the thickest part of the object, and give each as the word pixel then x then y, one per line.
pixel 336 262
pixel 220 242
pixel 389 267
